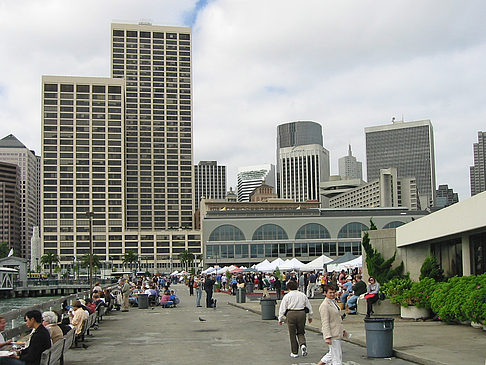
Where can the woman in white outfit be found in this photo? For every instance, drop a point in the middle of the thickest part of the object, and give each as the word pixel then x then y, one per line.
pixel 332 327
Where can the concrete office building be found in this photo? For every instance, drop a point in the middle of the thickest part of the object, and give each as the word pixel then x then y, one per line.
pixel 445 196
pixel 10 206
pixel 247 233
pixel 250 177
pixel 121 148
pixel 155 63
pixel 15 152
pixel 302 161
pixel 387 191
pixel 349 167
pixel 408 147
pixel 210 181
pixel 478 171
pixel 337 186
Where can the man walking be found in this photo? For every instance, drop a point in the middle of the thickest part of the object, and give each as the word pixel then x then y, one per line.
pixel 311 288
pixel 208 288
pixel 125 291
pixel 294 306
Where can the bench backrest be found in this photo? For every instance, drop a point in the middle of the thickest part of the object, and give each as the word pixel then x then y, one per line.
pixel 84 327
pixel 69 339
pixel 56 352
pixel 91 320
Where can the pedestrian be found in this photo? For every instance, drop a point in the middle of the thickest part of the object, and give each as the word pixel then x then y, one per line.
pixel 198 284
pixel 332 327
pixel 311 287
pixel 277 284
pixel 208 288
pixel 125 291
pixel 295 305
pixel 371 295
pixel 190 284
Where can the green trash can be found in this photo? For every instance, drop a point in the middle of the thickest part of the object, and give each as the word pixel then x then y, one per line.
pixel 250 287
pixel 142 301
pixel 379 336
pixel 241 295
pixel 268 308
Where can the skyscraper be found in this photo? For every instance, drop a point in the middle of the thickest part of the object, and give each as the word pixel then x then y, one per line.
pixel 15 152
pixel 10 205
pixel 210 181
pixel 445 196
pixel 408 147
pixel 155 61
pixel 478 171
pixel 349 167
pixel 251 177
pixel 302 161
pixel 120 149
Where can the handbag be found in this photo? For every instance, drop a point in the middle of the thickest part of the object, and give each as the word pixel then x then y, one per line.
pixel 369 296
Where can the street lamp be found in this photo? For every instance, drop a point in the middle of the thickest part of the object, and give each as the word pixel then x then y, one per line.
pixel 90 215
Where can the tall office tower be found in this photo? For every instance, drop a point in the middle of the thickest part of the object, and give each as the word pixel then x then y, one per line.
pixel 210 181
pixel 10 206
pixel 302 161
pixel 349 167
pixel 251 177
pixel 82 170
pixel 478 171
pixel 155 62
pixel 408 147
pixel 14 152
pixel 445 196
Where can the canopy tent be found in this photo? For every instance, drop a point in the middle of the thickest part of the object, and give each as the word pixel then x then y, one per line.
pixel 316 264
pixel 278 262
pixel 210 270
pixel 266 267
pixel 249 270
pixel 292 264
pixel 343 262
pixel 237 270
pixel 174 273
pixel 222 270
pixel 264 263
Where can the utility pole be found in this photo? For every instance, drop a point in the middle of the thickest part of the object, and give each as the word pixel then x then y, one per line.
pixel 90 215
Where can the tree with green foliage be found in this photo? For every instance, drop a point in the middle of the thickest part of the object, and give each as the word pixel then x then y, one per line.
pixel 85 262
pixel 4 250
pixel 186 258
pixel 431 269
pixel 129 258
pixel 49 258
pixel 378 267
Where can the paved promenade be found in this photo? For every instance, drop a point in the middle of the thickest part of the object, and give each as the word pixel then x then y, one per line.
pixel 422 342
pixel 228 335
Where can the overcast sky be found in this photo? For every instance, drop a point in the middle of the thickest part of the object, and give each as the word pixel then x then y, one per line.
pixel 257 63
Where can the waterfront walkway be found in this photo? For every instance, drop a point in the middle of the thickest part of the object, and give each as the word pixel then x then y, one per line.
pixel 236 335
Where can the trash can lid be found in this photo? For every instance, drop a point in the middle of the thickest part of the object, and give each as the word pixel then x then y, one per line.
pixel 379 319
pixel 268 300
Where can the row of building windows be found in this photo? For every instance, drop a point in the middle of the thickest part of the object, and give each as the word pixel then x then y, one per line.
pixel 229 232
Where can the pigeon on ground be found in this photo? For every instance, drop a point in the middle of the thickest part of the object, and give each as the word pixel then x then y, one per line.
pixel 202 319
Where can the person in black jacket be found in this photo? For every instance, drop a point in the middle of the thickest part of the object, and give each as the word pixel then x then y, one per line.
pixel 40 341
pixel 358 289
pixel 208 288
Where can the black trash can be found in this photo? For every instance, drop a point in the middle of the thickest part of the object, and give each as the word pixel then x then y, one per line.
pixel 379 336
pixel 241 295
pixel 143 301
pixel 250 287
pixel 268 308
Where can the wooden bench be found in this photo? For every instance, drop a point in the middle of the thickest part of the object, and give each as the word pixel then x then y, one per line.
pixel 53 355
pixel 69 339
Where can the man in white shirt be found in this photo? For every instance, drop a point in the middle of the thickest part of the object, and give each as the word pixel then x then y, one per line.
pixel 3 323
pixel 294 306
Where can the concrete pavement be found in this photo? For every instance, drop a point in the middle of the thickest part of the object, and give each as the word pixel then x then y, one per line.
pixel 423 342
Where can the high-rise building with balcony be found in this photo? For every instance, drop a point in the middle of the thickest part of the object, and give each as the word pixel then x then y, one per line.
pixel 10 206
pixel 408 147
pixel 210 181
pixel 15 152
pixel 302 161
pixel 478 171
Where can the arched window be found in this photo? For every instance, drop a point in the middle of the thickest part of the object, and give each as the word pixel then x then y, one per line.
pixel 226 232
pixel 393 224
pixel 312 231
pixel 352 230
pixel 269 232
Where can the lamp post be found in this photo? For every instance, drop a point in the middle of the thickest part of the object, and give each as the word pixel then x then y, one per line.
pixel 90 215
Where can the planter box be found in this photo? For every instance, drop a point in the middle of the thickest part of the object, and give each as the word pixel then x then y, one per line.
pixel 476 325
pixel 381 308
pixel 413 312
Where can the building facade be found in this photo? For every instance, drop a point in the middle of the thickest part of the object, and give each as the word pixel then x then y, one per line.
pixel 478 171
pixel 210 181
pixel 445 196
pixel 349 167
pixel 15 152
pixel 263 193
pixel 387 191
pixel 118 151
pixel 250 177
pixel 244 234
pixel 302 161
pixel 10 231
pixel 408 147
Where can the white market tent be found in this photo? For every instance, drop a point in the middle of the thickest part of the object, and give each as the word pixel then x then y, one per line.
pixel 264 263
pixel 209 270
pixel 292 264
pixel 278 262
pixel 266 267
pixel 316 264
pixel 351 264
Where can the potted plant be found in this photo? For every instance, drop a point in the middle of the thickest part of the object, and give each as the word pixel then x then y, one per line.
pixel 415 301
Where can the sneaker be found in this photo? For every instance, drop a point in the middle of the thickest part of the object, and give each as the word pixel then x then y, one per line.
pixel 303 348
pixel 294 355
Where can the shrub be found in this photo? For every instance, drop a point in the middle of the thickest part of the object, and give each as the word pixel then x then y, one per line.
pixel 395 288
pixel 475 303
pixel 431 269
pixel 419 294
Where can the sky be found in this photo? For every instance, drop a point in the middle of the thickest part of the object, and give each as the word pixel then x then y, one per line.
pixel 260 63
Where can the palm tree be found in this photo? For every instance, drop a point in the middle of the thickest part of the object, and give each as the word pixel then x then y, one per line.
pixel 85 262
pixel 49 258
pixel 129 257
pixel 186 258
